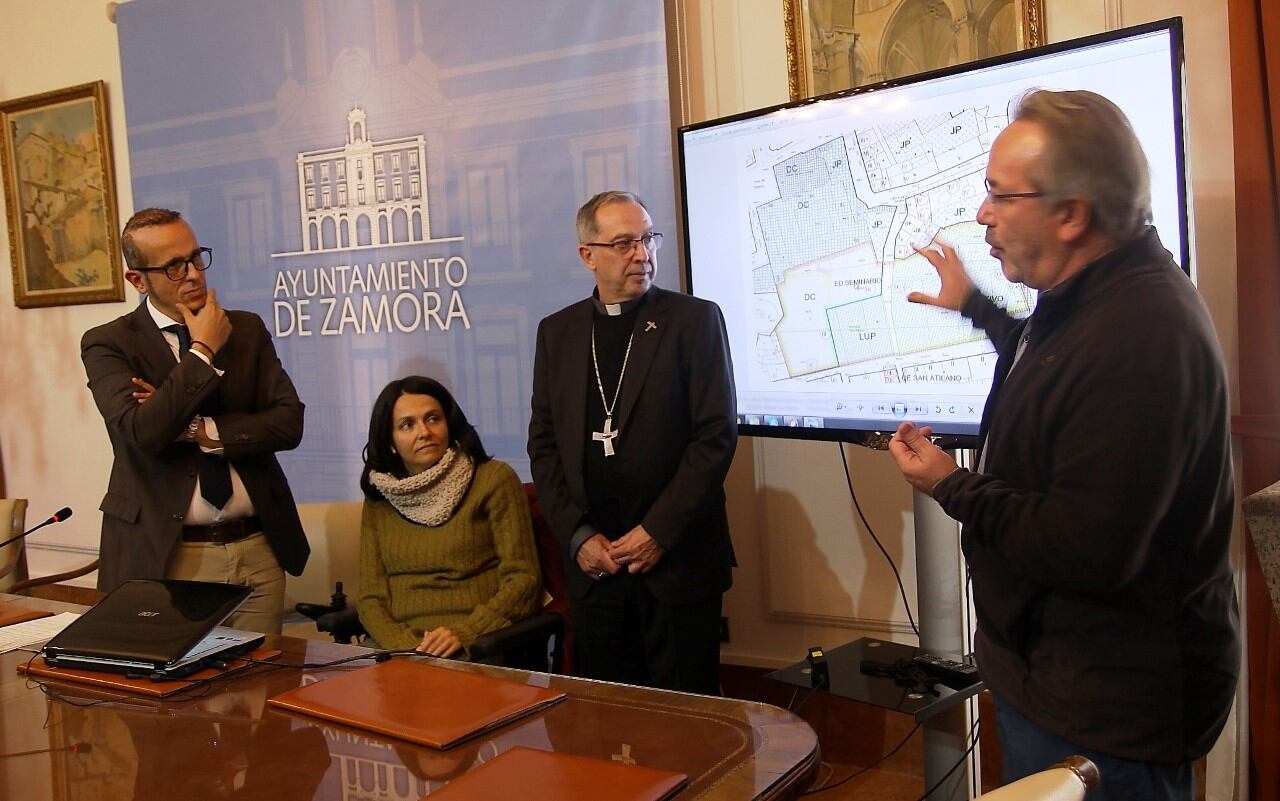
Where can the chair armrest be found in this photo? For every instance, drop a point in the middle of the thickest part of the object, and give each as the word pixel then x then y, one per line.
pixel 343 624
pixel 313 611
pixel 1069 780
pixel 23 586
pixel 521 634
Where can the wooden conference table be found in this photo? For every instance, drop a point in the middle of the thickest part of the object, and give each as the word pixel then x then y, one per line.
pixel 229 744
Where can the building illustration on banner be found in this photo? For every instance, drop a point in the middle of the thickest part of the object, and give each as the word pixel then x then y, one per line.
pixel 392 194
pixel 365 193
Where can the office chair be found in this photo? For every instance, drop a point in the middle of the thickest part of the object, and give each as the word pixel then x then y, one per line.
pixel 537 643
pixel 1069 780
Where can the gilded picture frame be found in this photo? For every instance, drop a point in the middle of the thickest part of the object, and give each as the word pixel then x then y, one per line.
pixel 60 198
pixel 838 44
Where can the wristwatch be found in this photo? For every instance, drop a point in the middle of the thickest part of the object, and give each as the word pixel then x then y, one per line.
pixel 193 427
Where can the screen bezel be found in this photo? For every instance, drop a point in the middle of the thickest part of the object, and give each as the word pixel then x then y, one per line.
pixel 878 438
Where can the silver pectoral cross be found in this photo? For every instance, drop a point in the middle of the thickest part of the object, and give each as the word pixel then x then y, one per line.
pixel 605 437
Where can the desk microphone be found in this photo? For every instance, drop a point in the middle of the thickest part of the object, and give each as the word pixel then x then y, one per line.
pixel 58 517
pixel 75 748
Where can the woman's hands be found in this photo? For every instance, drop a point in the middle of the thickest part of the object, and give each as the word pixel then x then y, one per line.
pixel 440 642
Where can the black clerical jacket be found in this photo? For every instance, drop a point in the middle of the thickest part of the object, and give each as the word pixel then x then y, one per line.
pixel 676 408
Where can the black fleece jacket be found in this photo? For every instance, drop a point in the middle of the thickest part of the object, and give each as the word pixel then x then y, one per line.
pixel 1097 535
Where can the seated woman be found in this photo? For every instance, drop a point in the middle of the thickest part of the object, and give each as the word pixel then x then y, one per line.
pixel 446 543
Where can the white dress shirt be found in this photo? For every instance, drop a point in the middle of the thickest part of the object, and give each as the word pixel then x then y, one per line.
pixel 200 511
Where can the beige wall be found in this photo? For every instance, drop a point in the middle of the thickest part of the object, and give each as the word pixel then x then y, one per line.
pixel 53 444
pixel 808 574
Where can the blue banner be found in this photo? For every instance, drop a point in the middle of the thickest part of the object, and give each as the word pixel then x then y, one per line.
pixel 392 184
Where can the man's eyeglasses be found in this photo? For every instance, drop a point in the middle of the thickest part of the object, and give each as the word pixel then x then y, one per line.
pixel 623 247
pixel 176 270
pixel 1000 197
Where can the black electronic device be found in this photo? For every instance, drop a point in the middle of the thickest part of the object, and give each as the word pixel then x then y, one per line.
pixel 819 673
pixel 802 220
pixel 947 666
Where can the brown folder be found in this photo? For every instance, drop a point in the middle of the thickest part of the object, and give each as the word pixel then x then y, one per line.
pixel 547 776
pixel 417 702
pixel 140 686
pixel 13 613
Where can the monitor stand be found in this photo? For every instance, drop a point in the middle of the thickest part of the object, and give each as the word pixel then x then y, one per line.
pixel 944 614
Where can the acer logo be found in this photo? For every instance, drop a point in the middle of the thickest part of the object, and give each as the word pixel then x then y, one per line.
pixel 148 614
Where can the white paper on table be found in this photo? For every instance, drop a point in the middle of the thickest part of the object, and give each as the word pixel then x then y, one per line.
pixel 31 632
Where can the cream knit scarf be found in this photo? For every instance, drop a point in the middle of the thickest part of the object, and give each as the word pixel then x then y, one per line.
pixel 432 496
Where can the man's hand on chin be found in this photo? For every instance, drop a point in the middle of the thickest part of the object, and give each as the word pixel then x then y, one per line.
pixel 209 327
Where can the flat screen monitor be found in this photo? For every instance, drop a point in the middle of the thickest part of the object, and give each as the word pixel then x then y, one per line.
pixel 801 222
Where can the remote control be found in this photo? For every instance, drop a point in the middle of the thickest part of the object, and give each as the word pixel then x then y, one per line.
pixel 946 667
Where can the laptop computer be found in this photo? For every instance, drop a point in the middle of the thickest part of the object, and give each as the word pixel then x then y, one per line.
pixel 159 629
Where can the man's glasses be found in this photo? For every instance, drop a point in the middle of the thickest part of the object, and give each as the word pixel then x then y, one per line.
pixel 1000 197
pixel 623 247
pixel 176 270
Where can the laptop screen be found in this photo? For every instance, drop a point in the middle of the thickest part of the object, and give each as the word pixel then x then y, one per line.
pixel 150 622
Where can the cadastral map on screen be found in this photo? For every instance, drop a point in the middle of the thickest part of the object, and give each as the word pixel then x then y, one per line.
pixel 803 223
pixel 834 223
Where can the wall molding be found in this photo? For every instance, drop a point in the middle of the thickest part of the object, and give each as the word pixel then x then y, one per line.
pixel 1113 11
pixel 838 621
pixel 84 550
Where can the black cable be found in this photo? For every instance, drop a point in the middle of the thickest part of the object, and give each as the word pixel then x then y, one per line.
pixel 803 701
pixel 375 655
pixel 199 688
pixel 863 770
pixel 831 770
pixel 902 590
pixel 973 743
pixel 973 700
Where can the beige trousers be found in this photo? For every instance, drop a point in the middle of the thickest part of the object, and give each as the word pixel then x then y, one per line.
pixel 248 561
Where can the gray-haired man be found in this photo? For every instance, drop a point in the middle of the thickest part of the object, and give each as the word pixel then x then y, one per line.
pixel 1097 524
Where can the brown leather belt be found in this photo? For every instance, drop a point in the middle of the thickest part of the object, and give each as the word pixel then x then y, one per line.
pixel 224 532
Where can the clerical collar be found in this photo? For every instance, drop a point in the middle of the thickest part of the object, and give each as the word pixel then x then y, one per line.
pixel 615 309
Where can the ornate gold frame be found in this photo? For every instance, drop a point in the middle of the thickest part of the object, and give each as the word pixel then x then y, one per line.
pixel 799 80
pixel 75 186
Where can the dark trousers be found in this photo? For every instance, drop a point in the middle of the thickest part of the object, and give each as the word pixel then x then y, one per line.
pixel 1027 748
pixel 623 634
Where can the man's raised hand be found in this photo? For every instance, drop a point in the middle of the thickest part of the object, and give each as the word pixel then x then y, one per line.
pixel 956 286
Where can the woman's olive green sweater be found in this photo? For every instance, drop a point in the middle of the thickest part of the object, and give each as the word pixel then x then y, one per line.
pixel 474 574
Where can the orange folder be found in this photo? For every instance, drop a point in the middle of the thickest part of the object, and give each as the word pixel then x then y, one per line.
pixel 13 613
pixel 417 702
pixel 548 776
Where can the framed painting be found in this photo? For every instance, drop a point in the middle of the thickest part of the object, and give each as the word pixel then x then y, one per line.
pixel 60 198
pixel 838 44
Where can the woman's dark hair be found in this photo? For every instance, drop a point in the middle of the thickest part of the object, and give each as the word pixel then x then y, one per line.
pixel 380 454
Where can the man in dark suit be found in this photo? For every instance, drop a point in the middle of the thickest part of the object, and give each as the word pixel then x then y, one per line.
pixel 196 404
pixel 631 436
